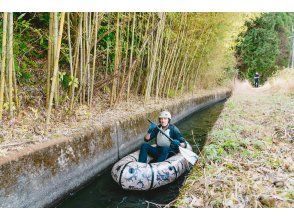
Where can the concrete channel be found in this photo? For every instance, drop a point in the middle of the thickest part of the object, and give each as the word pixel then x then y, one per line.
pixel 43 174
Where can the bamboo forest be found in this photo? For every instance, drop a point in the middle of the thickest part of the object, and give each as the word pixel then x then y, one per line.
pixel 79 56
pixel 77 90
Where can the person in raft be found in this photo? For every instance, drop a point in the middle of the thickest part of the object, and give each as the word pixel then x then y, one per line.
pixel 164 147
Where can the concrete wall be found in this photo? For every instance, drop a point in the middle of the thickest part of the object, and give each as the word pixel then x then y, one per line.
pixel 46 172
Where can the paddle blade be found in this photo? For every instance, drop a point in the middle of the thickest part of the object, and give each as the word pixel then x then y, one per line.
pixel 190 156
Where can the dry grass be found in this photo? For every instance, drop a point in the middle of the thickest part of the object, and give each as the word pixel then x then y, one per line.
pixel 248 157
pixel 29 126
pixel 282 82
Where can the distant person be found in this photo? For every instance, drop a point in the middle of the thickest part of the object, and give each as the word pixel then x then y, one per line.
pixel 164 147
pixel 256 79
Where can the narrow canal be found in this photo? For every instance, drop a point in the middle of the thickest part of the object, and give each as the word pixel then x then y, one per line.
pixel 103 192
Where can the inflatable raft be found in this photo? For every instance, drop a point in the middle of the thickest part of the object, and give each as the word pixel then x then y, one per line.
pixel 133 175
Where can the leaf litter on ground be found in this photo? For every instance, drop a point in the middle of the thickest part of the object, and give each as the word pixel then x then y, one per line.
pixel 248 157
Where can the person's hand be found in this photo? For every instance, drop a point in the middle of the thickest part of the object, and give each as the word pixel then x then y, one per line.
pixel 151 128
pixel 175 143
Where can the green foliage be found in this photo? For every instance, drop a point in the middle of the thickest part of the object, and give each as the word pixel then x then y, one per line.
pixel 65 79
pixel 265 45
pixel 230 145
pixel 260 58
pixel 172 93
pixel 30 42
pixel 214 152
pixel 25 76
pixel 274 163
pixel 72 80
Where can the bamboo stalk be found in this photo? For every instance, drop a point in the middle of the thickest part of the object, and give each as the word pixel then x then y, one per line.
pixel 182 72
pixel 77 61
pixel 17 104
pixel 89 53
pixel 55 72
pixel 162 70
pixel 180 65
pixel 55 39
pixel 94 58
pixel 81 79
pixel 161 51
pixel 136 61
pixel 166 73
pixel 154 57
pixel 84 58
pixel 200 60
pixel 171 70
pixel 107 49
pixel 125 60
pixel 49 68
pixel 143 29
pixel 116 64
pixel 131 56
pixel 69 46
pixel 10 63
pixel 87 58
pixel 3 63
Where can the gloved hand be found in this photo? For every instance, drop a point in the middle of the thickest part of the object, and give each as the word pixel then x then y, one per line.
pixel 175 145
pixel 151 128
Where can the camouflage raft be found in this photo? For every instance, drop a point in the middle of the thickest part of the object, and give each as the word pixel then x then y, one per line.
pixel 133 175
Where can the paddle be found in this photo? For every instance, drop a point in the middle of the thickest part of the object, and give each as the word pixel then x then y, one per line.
pixel 189 155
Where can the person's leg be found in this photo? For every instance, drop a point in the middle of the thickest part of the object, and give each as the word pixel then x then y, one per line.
pixel 145 150
pixel 163 153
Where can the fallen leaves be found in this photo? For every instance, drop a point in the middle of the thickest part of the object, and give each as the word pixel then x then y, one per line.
pixel 267 201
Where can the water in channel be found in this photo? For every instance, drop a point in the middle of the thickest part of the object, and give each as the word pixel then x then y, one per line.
pixel 104 192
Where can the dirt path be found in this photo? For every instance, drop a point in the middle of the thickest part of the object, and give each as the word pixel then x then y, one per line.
pixel 248 157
